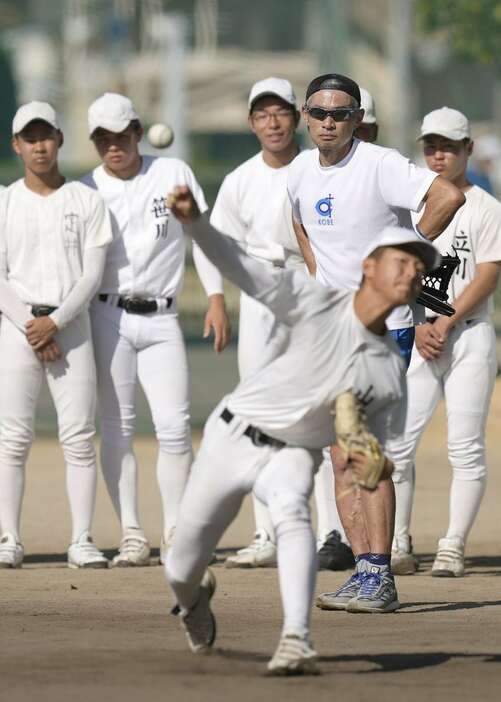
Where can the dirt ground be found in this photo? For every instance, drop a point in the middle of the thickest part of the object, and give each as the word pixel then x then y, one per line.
pixel 106 635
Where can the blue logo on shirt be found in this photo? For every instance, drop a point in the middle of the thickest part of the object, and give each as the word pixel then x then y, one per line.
pixel 324 209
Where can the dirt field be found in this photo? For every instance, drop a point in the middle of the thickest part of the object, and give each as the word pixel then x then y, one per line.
pixel 80 636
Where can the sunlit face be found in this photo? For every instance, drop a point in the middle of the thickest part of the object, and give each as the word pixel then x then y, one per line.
pixel 395 273
pixel 446 156
pixel 38 145
pixel 118 151
pixel 274 123
pixel 329 134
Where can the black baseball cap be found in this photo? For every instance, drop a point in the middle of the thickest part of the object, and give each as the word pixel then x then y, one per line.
pixel 334 81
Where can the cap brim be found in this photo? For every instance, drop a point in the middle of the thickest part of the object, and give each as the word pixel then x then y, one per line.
pixel 111 125
pixel 443 133
pixel 269 93
pixel 18 129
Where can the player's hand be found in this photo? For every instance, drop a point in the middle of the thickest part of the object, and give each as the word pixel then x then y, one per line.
pixel 442 327
pixel 40 331
pixel 50 352
pixel 217 319
pixel 429 341
pixel 183 205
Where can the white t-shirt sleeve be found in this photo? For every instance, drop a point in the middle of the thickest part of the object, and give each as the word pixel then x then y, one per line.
pixel 225 215
pixel 98 231
pixel 402 183
pixel 488 246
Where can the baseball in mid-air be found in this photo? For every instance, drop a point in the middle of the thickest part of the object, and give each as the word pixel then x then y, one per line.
pixel 160 135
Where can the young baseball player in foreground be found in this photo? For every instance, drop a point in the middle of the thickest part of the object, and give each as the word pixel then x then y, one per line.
pixel 267 436
pixel 53 240
pixel 135 322
pixel 455 357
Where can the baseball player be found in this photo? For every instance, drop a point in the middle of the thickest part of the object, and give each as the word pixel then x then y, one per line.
pixel 343 193
pixel 252 201
pixel 135 322
pixel 456 356
pixel 53 240
pixel 267 436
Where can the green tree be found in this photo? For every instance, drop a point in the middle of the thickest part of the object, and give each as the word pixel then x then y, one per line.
pixel 473 26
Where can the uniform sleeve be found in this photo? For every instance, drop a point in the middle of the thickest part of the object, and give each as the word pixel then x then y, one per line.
pixel 11 304
pixel 225 215
pixel 289 295
pixel 98 231
pixel 488 247
pixel 403 184
pixel 85 289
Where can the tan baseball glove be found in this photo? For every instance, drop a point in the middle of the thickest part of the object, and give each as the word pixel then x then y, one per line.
pixel 353 437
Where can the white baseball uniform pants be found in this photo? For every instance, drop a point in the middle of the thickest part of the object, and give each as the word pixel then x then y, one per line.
pixel 72 384
pixel 149 348
pixel 227 467
pixel 464 374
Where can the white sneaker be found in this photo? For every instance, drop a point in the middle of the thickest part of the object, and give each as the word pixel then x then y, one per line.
pixel 262 552
pixel 11 551
pixel 449 561
pixel 84 554
pixel 294 656
pixel 134 550
pixel 199 622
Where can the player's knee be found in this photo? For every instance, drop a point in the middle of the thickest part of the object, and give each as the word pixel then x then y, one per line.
pixel 79 452
pixel 403 471
pixel 467 460
pixel 14 451
pixel 174 437
pixel 117 430
pixel 288 507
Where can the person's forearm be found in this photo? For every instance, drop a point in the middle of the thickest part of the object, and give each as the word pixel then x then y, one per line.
pixel 85 288
pixel 210 277
pixel 13 307
pixel 305 248
pixel 480 288
pixel 442 202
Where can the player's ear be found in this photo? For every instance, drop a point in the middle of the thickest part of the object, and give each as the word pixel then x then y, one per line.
pixel 15 145
pixel 250 123
pixel 368 267
pixel 297 117
pixel 469 147
pixel 61 138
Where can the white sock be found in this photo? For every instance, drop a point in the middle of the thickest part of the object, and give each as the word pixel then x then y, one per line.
pixel 119 467
pixel 465 499
pixel 297 570
pixel 81 488
pixel 327 515
pixel 173 470
pixel 404 495
pixel 263 518
pixel 11 497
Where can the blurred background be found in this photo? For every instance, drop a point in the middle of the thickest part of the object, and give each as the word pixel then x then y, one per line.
pixel 191 63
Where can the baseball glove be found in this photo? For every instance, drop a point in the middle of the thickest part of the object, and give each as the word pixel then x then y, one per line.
pixel 353 436
pixel 433 294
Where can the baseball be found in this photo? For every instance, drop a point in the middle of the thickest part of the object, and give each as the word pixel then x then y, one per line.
pixel 160 135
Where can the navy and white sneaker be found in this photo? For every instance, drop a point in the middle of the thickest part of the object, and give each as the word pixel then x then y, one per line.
pixel 340 598
pixel 377 592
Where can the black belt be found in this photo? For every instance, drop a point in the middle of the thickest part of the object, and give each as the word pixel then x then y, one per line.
pixel 258 437
pixel 42 310
pixel 136 305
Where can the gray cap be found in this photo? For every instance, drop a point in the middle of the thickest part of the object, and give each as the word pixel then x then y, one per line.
pixel 399 236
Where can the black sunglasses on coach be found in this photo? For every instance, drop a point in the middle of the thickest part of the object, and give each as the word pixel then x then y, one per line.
pixel 338 114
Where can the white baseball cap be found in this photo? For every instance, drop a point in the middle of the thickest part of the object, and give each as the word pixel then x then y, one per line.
pixel 111 111
pixel 272 86
pixel 32 111
pixel 446 122
pixel 367 103
pixel 398 236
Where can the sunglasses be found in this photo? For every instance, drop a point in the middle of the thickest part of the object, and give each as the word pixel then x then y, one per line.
pixel 339 114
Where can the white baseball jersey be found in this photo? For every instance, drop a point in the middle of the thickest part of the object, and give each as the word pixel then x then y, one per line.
pixel 329 352
pixel 146 258
pixel 342 208
pixel 44 240
pixel 252 207
pixel 474 235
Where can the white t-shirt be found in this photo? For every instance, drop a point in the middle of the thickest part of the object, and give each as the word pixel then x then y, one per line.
pixel 343 207
pixel 146 258
pixel 329 352
pixel 253 208
pixel 43 239
pixel 474 235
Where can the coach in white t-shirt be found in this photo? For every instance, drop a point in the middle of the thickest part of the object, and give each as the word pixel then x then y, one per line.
pixel 343 194
pixel 456 356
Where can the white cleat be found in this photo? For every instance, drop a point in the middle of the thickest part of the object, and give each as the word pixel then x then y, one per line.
pixel 449 561
pixel 294 656
pixel 199 622
pixel 261 553
pixel 134 550
pixel 403 559
pixel 11 551
pixel 84 554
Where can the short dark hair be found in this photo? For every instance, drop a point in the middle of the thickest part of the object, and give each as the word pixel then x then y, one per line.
pixel 334 81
